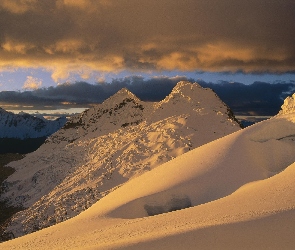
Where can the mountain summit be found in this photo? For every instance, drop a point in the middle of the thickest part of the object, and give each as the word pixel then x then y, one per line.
pixel 118 111
pixel 193 98
pixel 102 148
pixel 289 105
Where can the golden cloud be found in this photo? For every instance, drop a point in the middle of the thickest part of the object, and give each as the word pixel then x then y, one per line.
pixel 84 4
pixel 18 6
pixel 67 103
pixel 32 83
pixel 66 46
pixel 16 47
pixel 66 36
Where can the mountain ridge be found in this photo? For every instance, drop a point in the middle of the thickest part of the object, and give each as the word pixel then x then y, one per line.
pixel 117 140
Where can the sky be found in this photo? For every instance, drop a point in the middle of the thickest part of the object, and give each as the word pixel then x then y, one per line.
pixel 45 44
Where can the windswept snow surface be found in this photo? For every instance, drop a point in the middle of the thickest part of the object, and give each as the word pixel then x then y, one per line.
pixel 99 150
pixel 240 190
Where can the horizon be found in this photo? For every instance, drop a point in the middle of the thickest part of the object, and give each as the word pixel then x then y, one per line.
pixel 256 99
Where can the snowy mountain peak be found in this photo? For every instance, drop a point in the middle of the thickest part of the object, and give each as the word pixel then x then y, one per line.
pixel 102 148
pixel 192 93
pixel 289 105
pixel 194 99
pixel 184 86
pixel 121 95
pixel 118 111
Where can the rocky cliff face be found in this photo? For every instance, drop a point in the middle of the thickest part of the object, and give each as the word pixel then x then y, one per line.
pixel 101 149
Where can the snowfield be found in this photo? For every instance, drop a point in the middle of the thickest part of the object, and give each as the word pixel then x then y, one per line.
pixel 235 192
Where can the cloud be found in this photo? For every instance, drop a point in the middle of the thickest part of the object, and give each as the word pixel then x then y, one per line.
pixel 18 6
pixel 213 35
pixel 83 94
pixel 32 83
pixel 259 98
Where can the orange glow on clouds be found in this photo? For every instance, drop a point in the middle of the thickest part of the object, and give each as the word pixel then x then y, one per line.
pixel 65 36
pixel 32 83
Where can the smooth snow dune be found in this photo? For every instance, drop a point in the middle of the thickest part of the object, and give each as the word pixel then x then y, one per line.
pixel 259 215
pixel 271 232
pixel 240 188
pixel 207 173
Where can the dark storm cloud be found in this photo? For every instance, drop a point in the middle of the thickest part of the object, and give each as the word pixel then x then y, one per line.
pixel 259 98
pixel 84 94
pixel 108 35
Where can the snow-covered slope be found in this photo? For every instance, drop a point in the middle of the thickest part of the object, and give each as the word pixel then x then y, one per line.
pixel 207 173
pixel 23 126
pixel 238 192
pixel 99 150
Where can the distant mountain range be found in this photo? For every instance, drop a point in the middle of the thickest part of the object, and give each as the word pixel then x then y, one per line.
pixel 97 151
pixel 24 126
pixel 23 133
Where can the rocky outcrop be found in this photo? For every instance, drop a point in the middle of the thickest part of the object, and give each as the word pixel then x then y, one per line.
pixel 289 105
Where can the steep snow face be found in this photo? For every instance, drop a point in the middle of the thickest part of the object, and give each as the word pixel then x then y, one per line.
pixel 25 126
pixel 207 173
pixel 289 105
pixel 111 143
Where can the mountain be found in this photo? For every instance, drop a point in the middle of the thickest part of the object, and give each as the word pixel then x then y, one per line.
pixel 104 147
pixel 236 192
pixel 24 126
